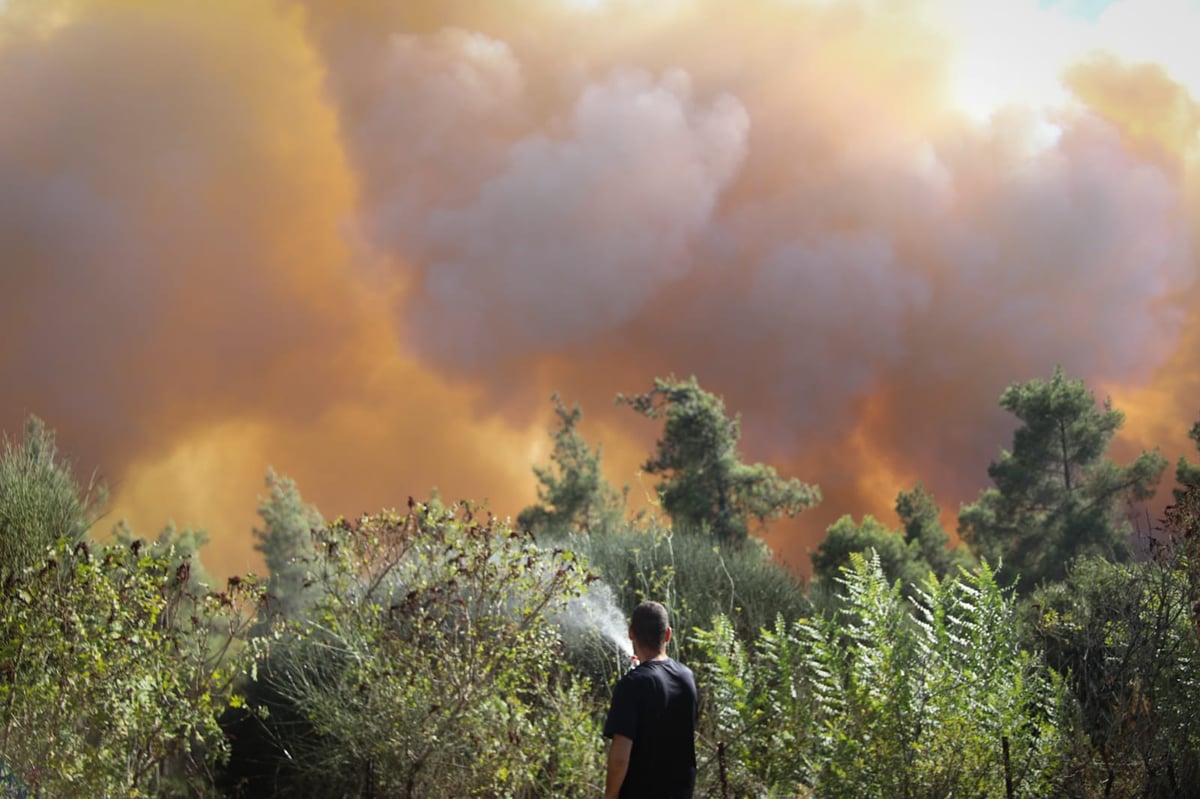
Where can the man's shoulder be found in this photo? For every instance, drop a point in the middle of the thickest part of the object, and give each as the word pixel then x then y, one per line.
pixel 671 664
pixel 685 673
pixel 653 669
pixel 680 666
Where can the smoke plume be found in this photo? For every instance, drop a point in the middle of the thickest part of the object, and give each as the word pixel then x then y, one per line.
pixel 364 241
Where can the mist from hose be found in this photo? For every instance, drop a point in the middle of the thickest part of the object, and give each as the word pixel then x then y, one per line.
pixel 595 614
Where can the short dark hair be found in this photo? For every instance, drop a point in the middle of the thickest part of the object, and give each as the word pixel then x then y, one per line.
pixel 649 624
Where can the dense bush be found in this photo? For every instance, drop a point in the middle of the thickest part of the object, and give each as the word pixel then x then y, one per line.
pixel 884 702
pixel 1125 637
pixel 696 578
pixel 425 666
pixel 112 673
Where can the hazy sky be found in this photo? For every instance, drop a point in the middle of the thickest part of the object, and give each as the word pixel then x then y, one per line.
pixel 363 242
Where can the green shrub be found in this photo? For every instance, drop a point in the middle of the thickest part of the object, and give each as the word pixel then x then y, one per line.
pixel 1125 637
pixel 695 578
pixel 426 665
pixel 885 703
pixel 40 499
pixel 112 672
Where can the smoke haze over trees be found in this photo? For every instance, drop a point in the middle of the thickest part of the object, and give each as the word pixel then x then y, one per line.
pixel 363 242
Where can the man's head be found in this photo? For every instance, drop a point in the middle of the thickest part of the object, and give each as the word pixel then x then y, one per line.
pixel 649 627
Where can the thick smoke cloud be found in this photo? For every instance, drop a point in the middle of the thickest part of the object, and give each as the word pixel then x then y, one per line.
pixel 364 241
pixel 179 298
pixel 149 226
pixel 574 237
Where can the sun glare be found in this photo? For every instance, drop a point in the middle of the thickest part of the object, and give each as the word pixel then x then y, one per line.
pixel 1015 51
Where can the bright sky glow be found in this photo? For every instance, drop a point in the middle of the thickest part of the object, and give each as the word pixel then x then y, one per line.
pixel 1014 51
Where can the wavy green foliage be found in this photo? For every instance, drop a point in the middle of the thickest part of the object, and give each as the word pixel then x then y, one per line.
pixel 757 718
pixel 112 672
pixel 884 702
pixel 422 667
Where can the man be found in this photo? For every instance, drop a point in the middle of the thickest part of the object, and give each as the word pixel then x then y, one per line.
pixel 652 720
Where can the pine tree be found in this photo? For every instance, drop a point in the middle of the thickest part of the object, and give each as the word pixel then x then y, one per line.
pixel 572 492
pixel 1057 495
pixel 1188 474
pixel 285 539
pixel 705 485
pixel 920 518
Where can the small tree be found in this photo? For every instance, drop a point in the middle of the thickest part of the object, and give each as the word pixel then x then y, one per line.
pixel 705 485
pixel 573 495
pixel 843 538
pixel 40 499
pixel 909 556
pixel 285 539
pixel 920 518
pixel 1057 495
pixel 1187 474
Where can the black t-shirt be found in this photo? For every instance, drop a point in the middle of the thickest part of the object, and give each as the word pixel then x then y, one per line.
pixel 655 706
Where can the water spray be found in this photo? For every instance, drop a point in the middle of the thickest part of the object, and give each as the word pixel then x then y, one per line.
pixel 595 614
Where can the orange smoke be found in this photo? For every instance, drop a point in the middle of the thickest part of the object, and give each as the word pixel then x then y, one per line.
pixel 363 242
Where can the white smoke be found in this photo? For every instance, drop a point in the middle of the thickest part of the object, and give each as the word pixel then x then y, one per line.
pixel 580 233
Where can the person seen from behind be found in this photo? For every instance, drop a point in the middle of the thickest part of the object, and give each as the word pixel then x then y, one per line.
pixel 652 719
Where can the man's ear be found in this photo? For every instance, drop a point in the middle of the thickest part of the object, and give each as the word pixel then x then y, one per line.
pixel 667 640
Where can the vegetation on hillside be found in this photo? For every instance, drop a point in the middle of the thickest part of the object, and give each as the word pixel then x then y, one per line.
pixel 426 651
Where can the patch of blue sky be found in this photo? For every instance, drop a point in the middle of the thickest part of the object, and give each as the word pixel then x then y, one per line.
pixel 1086 9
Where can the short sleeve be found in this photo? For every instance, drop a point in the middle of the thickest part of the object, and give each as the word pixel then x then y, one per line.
pixel 622 713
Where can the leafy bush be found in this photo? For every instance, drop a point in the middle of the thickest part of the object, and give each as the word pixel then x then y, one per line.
pixel 885 703
pixel 1125 637
pixel 425 666
pixel 112 672
pixel 695 578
